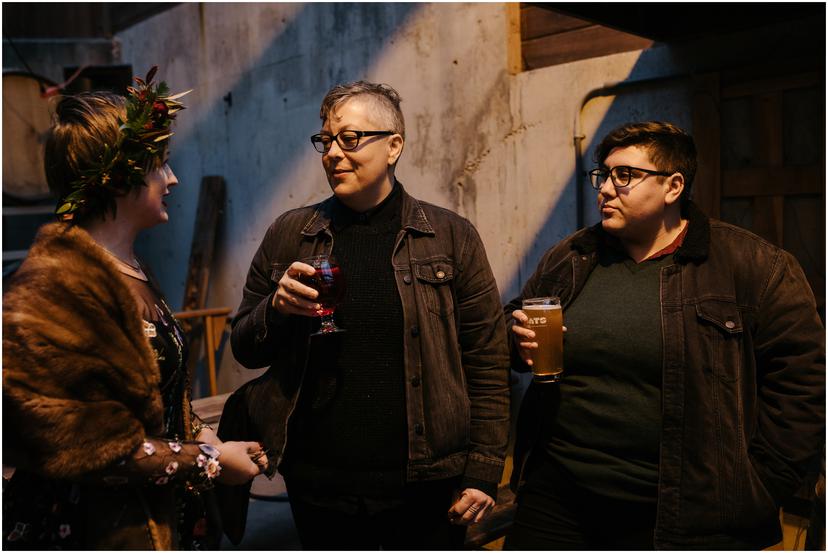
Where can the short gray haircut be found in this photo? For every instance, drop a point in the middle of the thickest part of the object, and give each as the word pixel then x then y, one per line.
pixel 384 99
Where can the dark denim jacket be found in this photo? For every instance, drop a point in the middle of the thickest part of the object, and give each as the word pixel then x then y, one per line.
pixel 743 385
pixel 456 355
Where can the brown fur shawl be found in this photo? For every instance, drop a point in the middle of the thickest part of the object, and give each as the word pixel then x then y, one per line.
pixel 80 382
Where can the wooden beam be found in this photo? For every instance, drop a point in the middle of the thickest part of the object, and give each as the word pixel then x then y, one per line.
pixel 588 42
pixel 514 61
pixel 211 200
pixel 536 22
pixel 207 312
pixel 208 215
pixel 214 322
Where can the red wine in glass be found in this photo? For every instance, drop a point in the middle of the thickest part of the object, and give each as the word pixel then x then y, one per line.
pixel 329 281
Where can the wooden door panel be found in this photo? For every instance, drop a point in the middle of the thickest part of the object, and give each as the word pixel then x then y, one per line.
pixel 770 165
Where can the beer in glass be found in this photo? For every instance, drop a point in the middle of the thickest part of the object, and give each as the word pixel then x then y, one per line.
pixel 546 320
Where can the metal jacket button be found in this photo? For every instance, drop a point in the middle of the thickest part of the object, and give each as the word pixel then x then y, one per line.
pixel 407 279
pixel 415 331
pixel 418 429
pixel 730 324
pixel 441 274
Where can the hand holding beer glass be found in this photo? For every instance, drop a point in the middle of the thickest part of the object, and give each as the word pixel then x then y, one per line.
pixel 540 337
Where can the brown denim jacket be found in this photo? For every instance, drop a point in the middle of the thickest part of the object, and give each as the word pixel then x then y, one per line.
pixel 743 381
pixel 456 355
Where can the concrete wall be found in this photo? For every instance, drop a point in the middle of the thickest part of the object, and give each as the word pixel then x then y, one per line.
pixel 495 147
pixel 273 63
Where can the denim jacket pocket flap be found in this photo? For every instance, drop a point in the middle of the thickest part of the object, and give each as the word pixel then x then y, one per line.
pixel 434 272
pixel 724 314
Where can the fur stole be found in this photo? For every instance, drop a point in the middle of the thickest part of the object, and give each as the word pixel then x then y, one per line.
pixel 80 381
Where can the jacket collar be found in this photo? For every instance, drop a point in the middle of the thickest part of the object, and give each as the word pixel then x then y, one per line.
pixel 413 216
pixel 694 248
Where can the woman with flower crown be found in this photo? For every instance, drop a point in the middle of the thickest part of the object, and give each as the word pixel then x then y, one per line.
pixel 96 410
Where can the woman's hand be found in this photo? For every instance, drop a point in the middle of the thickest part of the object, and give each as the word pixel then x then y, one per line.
pixel 236 464
pixel 472 507
pixel 292 297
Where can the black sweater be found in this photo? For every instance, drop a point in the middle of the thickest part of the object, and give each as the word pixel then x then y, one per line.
pixel 350 427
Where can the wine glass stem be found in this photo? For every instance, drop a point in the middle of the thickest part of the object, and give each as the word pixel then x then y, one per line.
pixel 327 323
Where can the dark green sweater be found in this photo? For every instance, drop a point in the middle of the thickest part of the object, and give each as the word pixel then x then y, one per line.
pixel 605 431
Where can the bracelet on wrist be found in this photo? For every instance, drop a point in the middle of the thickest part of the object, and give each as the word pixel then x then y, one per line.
pixel 198 427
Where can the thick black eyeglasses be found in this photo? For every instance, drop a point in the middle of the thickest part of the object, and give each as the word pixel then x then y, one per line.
pixel 347 140
pixel 621 176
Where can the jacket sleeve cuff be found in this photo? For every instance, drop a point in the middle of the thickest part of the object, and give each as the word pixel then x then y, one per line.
pixel 265 318
pixel 517 364
pixel 272 317
pixel 489 488
pixel 482 473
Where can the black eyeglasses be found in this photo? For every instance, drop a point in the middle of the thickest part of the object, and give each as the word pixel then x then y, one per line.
pixel 347 140
pixel 621 176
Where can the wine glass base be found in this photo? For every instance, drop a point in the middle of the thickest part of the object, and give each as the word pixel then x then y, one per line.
pixel 326 331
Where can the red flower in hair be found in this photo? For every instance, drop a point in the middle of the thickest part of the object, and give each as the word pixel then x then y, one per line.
pixel 143 135
pixel 160 108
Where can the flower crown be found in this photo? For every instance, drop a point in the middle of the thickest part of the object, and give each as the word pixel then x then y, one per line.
pixel 150 110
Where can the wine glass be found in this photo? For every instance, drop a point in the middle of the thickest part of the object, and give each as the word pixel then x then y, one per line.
pixel 329 281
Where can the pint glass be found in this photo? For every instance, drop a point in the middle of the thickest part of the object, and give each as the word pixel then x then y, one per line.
pixel 546 320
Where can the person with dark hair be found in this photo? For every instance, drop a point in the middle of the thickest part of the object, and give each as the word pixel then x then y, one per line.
pixel 393 433
pixel 693 394
pixel 96 411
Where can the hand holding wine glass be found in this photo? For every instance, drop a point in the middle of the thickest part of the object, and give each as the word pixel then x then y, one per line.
pixel 311 288
pixel 328 280
pixel 293 297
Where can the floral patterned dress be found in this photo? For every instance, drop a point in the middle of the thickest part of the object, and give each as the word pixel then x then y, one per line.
pixel 41 513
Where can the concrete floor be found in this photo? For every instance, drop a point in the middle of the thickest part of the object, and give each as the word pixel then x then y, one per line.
pixel 269 527
pixel 269 520
pixel 270 523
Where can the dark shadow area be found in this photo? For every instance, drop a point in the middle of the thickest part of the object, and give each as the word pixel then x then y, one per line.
pixel 269 527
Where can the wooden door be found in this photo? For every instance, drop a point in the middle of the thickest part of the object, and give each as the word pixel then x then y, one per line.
pixel 761 142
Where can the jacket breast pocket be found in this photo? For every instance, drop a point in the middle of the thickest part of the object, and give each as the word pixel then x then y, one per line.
pixel 434 280
pixel 722 327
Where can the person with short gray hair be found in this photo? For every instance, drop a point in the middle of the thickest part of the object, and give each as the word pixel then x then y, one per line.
pixel 392 432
